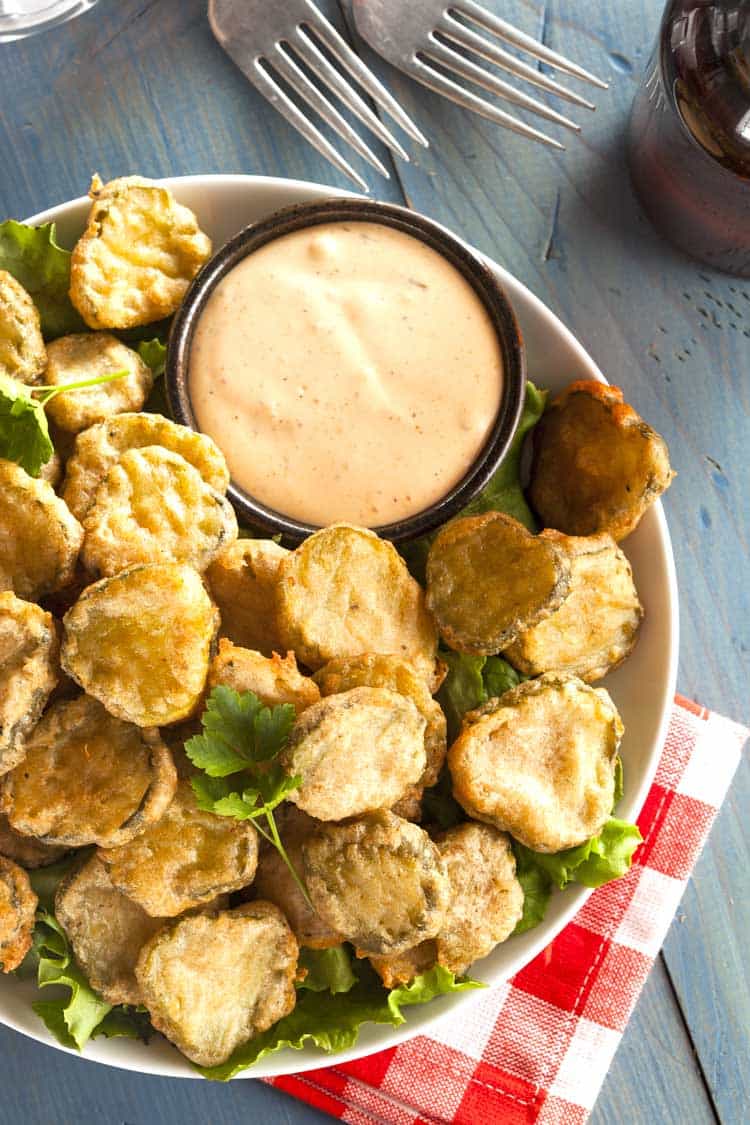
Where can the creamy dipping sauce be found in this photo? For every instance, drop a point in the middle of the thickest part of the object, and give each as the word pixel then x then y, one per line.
pixel 348 372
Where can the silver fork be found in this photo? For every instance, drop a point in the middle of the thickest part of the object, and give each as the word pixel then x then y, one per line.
pixel 269 39
pixel 420 37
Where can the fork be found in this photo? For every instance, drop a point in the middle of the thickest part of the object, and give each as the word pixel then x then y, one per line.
pixel 420 37
pixel 276 42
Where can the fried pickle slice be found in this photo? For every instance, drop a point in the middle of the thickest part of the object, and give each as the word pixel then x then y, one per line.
pixel 380 671
pixel 274 882
pixel 379 881
pixel 137 256
pixel 402 968
pixel 355 752
pixel 140 642
pixel 344 591
pixel 88 778
pixel 97 449
pixel 211 982
pixel 488 578
pixel 90 355
pixel 597 466
pixel 17 914
pixel 273 679
pixel 153 506
pixel 39 538
pixel 596 627
pixel 242 581
pixel 29 670
pixel 26 851
pixel 22 352
pixel 486 898
pixel 185 859
pixel 539 762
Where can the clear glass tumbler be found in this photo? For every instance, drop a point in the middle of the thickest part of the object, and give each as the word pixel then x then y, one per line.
pixel 19 18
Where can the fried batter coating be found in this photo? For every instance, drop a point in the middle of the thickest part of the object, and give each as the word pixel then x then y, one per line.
pixel 97 449
pixel 377 671
pixel 52 471
pixel 22 352
pixel 273 680
pixel 153 506
pixel 357 751
pixel 185 859
pixel 88 778
pixel 597 466
pixel 90 355
pixel 540 762
pixel 211 982
pixel 486 898
pixel 380 881
pixel 26 851
pixel 106 930
pixel 488 578
pixel 402 968
pixel 29 670
pixel 242 581
pixel 140 642
pixel 39 538
pixel 344 591
pixel 596 627
pixel 274 882
pixel 17 914
pixel 137 256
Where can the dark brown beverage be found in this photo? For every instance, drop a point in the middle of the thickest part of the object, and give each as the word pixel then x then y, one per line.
pixel 689 139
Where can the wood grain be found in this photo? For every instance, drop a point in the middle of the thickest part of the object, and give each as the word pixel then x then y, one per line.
pixel 139 86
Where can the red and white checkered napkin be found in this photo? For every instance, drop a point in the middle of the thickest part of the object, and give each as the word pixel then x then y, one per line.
pixel 537 1049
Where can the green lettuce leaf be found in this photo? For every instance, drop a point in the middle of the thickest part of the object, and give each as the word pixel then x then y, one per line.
pixel 125 1022
pixel 74 1017
pixel 154 353
pixel 471 681
pixel 597 861
pixel 439 806
pixel 327 970
pixel 332 1022
pixel 32 255
pixel 499 676
pixel 537 889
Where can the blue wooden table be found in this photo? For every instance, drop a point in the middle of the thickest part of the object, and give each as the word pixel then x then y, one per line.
pixel 140 86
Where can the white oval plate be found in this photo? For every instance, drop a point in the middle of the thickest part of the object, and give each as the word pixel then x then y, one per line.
pixel 642 688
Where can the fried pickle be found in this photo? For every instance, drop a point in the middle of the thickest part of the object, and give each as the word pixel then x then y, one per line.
pixel 17 914
pixel 597 466
pixel 242 581
pixel 29 670
pixel 137 256
pixel 140 642
pixel 273 679
pixel 26 851
pixel 22 352
pixel 90 355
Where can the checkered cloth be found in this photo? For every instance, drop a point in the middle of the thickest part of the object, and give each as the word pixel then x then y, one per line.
pixel 537 1048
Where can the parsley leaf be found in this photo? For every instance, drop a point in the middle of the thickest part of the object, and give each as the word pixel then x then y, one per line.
pixel 154 353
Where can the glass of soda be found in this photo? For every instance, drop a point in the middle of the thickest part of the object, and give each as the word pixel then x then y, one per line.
pixel 19 18
pixel 689 133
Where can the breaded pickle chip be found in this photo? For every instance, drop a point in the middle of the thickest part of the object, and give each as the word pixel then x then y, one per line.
pixel 186 859
pixel 26 851
pixel 213 981
pixel 88 778
pixel 17 914
pixel 137 256
pixel 90 355
pixel 373 670
pixel 140 642
pixel 402 968
pixel 379 881
pixel 242 580
pixel 344 591
pixel 597 466
pixel 39 538
pixel 52 471
pixel 106 930
pixel 486 898
pixel 540 762
pixel 596 627
pixel 153 506
pixel 22 353
pixel 273 679
pixel 97 449
pixel 488 578
pixel 357 751
pixel 29 670
pixel 274 882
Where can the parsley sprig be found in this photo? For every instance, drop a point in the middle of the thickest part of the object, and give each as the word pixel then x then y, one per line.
pixel 24 433
pixel 242 740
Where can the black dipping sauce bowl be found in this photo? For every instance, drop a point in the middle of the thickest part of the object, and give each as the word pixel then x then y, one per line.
pixel 250 510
